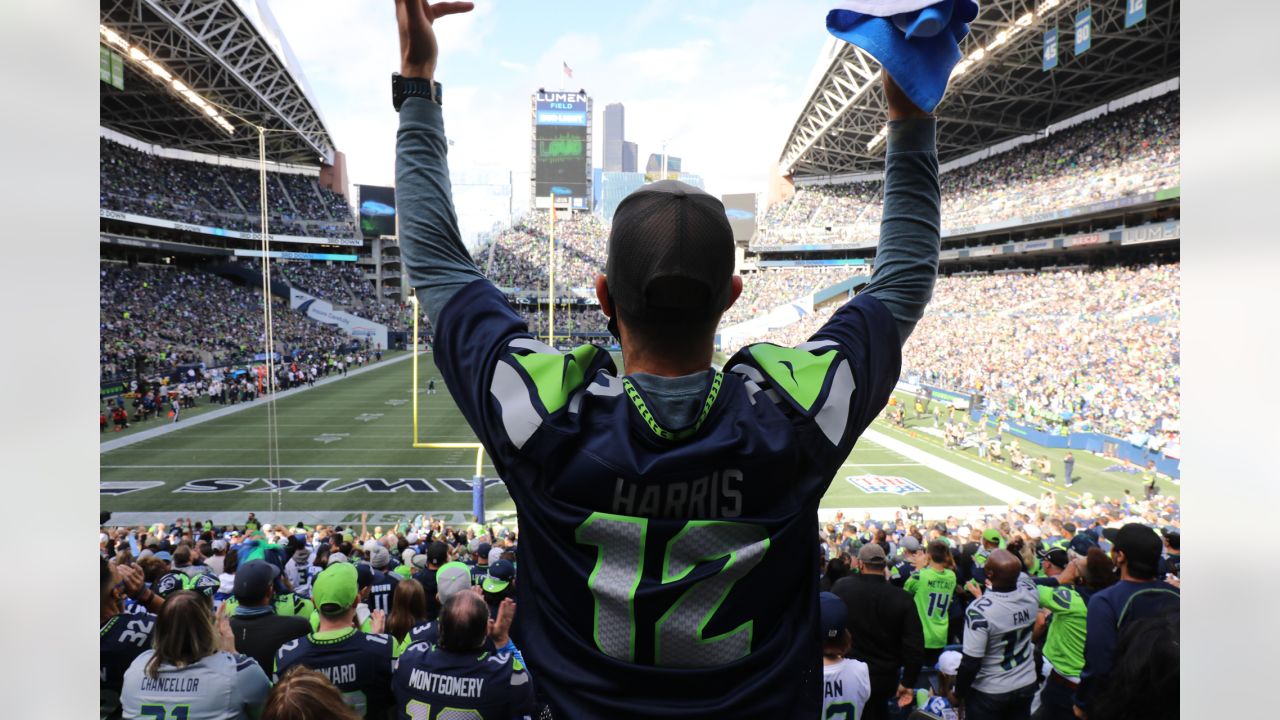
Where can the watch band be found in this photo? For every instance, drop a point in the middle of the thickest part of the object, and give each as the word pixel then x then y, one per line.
pixel 406 87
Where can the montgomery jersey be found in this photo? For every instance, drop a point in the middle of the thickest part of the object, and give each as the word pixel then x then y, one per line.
pixel 997 628
pixel 430 682
pixel 1064 643
pixel 846 686
pixel 123 638
pixel 660 552
pixel 381 590
pixel 222 686
pixel 933 592
pixel 359 664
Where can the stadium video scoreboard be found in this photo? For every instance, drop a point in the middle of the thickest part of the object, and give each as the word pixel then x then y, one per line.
pixel 561 149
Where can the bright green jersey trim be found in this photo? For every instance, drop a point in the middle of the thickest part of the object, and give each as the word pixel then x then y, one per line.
pixel 1064 643
pixel 798 373
pixel 329 636
pixel 933 592
pixel 556 376
pixel 662 432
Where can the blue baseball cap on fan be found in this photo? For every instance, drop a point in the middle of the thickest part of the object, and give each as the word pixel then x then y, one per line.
pixel 833 613
pixel 916 41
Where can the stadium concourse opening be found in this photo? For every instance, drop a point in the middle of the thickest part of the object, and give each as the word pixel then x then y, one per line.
pixel 288 428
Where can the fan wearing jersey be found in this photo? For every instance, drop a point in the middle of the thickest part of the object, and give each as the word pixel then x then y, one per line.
pixel 122 636
pixel 667 561
pixel 997 678
pixel 193 672
pixel 1063 626
pixel 381 583
pixel 846 683
pixel 459 673
pixel 933 587
pixel 358 663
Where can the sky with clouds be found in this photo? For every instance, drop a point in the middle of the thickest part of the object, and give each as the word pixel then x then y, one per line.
pixel 720 80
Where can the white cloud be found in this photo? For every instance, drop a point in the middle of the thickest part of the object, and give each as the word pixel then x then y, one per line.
pixel 722 87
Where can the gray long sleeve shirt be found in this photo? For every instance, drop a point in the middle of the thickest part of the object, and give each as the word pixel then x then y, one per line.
pixel 439 265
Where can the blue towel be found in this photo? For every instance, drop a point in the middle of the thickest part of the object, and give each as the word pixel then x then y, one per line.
pixel 916 41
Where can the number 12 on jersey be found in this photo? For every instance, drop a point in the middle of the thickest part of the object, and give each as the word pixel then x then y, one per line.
pixel 678 634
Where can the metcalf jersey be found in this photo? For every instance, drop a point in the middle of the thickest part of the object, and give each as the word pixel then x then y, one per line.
pixel 933 592
pixel 674 567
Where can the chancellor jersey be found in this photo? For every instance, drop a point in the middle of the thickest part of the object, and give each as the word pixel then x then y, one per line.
pixel 671 562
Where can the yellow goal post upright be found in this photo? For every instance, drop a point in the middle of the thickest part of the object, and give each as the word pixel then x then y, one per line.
pixel 477 480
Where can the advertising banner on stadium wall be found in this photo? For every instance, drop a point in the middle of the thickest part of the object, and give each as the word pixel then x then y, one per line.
pixel 1155 232
pixel 322 311
pixel 221 232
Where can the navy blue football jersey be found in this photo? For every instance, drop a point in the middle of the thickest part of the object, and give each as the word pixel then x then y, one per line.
pixel 381 590
pixel 358 663
pixel 435 684
pixel 429 633
pixel 123 638
pixel 668 571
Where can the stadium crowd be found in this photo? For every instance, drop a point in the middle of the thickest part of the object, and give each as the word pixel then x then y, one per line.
pixel 222 196
pixel 1071 351
pixel 1123 153
pixel 168 317
pixel 902 611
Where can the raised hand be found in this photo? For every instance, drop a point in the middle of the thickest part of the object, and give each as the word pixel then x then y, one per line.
pixel 418 47
pixel 900 106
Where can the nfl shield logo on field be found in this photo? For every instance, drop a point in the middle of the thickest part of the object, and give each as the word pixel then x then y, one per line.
pixel 884 484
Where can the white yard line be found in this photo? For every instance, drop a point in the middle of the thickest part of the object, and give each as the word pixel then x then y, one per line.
pixel 912 464
pixel 167 428
pixel 978 482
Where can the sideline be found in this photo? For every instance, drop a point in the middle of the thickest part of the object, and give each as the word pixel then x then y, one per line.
pixel 167 428
pixel 981 483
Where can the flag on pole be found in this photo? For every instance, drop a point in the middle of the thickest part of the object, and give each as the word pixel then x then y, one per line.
pixel 568 71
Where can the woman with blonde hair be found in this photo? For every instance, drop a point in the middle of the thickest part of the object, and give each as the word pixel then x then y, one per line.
pixel 192 671
pixel 304 694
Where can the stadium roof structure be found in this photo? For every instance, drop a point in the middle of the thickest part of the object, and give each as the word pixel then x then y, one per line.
pixel 229 53
pixel 998 92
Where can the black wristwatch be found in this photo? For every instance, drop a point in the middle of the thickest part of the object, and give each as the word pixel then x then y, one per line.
pixel 406 87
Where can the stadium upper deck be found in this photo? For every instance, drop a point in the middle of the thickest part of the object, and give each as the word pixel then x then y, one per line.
pixel 999 91
pixel 228 53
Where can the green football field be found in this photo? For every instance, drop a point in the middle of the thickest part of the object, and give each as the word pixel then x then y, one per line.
pixel 345 448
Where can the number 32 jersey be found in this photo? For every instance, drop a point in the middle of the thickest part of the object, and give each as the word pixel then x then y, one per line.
pixel 668 571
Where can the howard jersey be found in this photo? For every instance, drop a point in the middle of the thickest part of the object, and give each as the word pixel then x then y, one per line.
pixel 123 638
pixel 359 664
pixel 434 684
pixel 674 567
pixel 997 628
pixel 934 592
pixel 846 686
pixel 221 686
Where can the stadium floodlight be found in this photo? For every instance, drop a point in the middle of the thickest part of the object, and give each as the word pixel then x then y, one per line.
pixel 1046 6
pixel 1025 20
pixel 879 138
pixel 138 55
pixel 113 38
